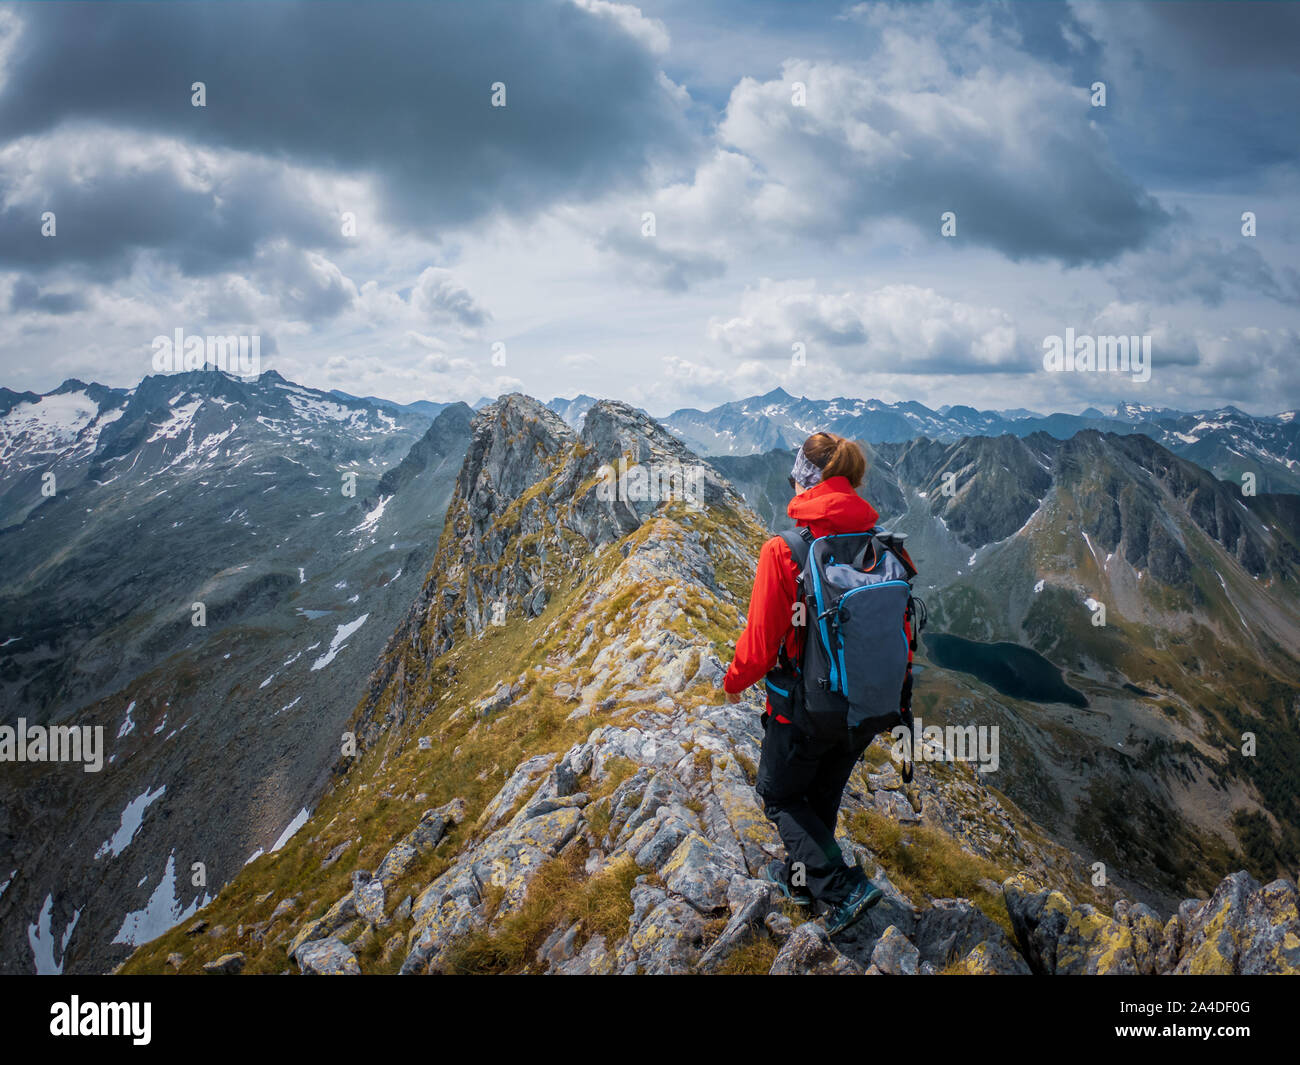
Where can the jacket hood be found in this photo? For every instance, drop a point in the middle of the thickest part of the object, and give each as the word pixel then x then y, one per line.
pixel 832 507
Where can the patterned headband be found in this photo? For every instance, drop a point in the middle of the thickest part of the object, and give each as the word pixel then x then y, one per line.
pixel 805 473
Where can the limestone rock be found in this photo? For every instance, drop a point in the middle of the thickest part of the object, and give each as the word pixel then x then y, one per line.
pixel 667 941
pixel 594 959
pixel 327 957
pixel 750 901
pixel 808 952
pixel 370 901
pixel 226 965
pixel 952 928
pixel 895 955
pixel 699 873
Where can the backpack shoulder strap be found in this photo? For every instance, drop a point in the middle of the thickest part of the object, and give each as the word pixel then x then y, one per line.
pixel 798 540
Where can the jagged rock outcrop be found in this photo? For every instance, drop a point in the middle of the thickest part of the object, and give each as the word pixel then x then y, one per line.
pixel 532 501
pixel 1242 929
pixel 984 488
pixel 444 437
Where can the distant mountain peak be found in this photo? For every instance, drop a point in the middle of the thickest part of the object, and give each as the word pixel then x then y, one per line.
pixel 72 384
pixel 1226 441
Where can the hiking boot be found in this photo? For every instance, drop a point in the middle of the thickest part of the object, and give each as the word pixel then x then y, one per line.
pixel 774 873
pixel 863 896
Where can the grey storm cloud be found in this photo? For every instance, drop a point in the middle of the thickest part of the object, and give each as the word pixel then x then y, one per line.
pixel 109 204
pixel 1093 213
pixel 26 295
pixel 1232 34
pixel 400 90
pixel 1202 93
pixel 1039 182
pixel 307 287
pixel 1207 271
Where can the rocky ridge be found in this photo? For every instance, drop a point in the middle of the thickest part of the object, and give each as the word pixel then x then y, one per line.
pixel 547 741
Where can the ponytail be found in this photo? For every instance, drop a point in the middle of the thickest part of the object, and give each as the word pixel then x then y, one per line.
pixel 836 456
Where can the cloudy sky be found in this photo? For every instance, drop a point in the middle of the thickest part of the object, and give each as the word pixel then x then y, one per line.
pixel 797 161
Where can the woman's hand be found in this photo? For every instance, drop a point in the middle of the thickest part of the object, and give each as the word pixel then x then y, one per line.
pixel 733 697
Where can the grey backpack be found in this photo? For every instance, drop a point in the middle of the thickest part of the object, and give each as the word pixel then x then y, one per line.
pixel 856 670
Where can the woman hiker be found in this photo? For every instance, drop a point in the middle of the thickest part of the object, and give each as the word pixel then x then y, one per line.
pixel 801 778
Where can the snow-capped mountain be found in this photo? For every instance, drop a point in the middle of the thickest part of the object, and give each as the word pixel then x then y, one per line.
pixel 38 431
pixel 1227 442
pixel 574 410
pixel 218 564
pixel 179 423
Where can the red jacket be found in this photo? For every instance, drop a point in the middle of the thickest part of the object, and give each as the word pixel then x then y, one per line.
pixel 830 507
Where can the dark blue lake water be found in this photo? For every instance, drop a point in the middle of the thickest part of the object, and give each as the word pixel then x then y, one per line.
pixel 1009 667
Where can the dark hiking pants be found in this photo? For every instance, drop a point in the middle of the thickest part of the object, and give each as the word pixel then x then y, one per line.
pixel 801 780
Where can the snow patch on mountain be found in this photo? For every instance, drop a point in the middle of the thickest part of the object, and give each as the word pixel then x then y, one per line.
pixel 41 937
pixel 338 643
pixel 161 912
pixel 128 726
pixel 371 520
pixel 181 419
pixel 132 819
pixel 63 425
pixel 299 820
